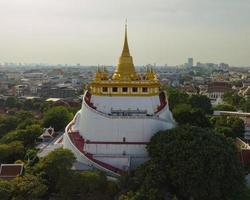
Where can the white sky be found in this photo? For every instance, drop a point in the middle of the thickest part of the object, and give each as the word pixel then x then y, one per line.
pixel 92 31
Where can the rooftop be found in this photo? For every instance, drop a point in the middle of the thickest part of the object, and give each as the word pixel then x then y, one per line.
pixel 8 171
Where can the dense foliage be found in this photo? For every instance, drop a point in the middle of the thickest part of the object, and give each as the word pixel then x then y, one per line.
pixel 52 177
pixel 238 102
pixel 224 107
pixel 176 97
pixel 57 117
pixel 189 162
pixel 196 111
pixel 230 126
pixel 185 114
pixel 201 102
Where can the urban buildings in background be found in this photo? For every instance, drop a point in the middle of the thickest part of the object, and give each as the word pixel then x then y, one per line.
pixel 69 81
pixel 66 81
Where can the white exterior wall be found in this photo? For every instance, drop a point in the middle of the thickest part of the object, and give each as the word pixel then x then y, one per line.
pixel 117 149
pixel 105 103
pixel 121 162
pixel 96 127
pixel 215 97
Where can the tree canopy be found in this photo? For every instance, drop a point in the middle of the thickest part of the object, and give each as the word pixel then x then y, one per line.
pixel 55 170
pixel 185 114
pixel 230 126
pixel 11 152
pixel 55 166
pixel 232 98
pixel 11 102
pixel 201 102
pixel 224 107
pixel 189 162
pixel 28 187
pixel 176 97
pixel 26 136
pixel 57 117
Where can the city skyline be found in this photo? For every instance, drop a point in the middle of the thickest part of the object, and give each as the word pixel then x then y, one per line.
pixel 92 32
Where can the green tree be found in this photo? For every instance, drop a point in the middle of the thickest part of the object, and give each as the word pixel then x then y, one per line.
pixel 238 83
pixel 87 185
pixel 197 163
pixel 232 98
pixel 55 167
pixel 11 102
pixel 237 125
pixel 28 188
pixel 26 136
pixel 185 114
pixel 201 102
pixel 24 115
pixel 28 104
pixel 245 105
pixel 2 102
pixel 224 107
pixel 188 163
pixel 7 124
pixel 11 152
pixel 31 157
pixel 230 126
pixel 5 189
pixel 175 97
pixel 57 117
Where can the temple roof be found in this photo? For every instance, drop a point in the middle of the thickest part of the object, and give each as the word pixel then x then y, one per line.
pixel 8 171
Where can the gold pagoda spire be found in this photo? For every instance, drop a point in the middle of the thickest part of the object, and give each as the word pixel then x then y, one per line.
pixel 125 51
pixel 125 69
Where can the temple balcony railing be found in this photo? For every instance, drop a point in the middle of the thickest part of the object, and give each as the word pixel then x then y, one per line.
pixel 92 108
pixel 128 112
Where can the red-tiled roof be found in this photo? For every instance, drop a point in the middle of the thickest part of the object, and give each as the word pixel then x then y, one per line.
pixel 8 171
pixel 221 86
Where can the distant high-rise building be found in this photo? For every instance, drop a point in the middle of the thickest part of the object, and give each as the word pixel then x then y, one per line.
pixel 190 62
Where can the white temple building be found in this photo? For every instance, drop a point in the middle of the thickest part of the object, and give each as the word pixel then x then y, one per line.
pixel 120 113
